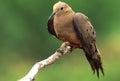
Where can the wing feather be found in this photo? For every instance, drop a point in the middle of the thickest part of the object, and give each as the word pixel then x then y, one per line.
pixel 86 34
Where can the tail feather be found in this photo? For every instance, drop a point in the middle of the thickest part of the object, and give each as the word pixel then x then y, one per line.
pixel 94 60
pixel 95 63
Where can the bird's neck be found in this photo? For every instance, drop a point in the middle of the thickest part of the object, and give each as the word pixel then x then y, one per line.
pixel 64 19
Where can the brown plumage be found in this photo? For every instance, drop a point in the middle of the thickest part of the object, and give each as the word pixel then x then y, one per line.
pixel 75 28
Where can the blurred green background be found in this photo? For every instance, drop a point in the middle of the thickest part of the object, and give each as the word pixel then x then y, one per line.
pixel 24 40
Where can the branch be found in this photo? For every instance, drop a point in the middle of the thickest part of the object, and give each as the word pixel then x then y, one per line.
pixel 64 49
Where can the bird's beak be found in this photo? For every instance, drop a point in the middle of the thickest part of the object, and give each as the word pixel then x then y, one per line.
pixel 52 15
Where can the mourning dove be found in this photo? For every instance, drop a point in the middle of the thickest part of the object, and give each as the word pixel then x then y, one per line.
pixel 76 29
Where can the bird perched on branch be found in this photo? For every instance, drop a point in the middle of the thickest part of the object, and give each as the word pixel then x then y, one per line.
pixel 75 28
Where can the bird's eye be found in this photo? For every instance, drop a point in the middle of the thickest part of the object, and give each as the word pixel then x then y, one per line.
pixel 61 8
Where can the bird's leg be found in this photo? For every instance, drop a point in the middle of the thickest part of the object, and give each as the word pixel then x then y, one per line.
pixel 74 46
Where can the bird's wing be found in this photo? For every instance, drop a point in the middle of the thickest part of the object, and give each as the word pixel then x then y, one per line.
pixel 50 24
pixel 86 34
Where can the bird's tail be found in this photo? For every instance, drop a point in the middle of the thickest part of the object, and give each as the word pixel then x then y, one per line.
pixel 94 59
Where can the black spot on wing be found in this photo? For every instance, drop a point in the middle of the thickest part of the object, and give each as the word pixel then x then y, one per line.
pixel 87 30
pixel 91 27
pixel 93 32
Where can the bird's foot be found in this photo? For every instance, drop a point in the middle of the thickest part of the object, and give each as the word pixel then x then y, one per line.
pixel 74 46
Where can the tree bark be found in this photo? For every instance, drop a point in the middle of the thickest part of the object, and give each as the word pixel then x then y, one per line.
pixel 64 49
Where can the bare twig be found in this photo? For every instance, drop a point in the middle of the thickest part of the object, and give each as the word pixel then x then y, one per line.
pixel 64 49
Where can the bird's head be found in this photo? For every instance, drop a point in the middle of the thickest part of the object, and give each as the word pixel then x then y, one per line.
pixel 61 8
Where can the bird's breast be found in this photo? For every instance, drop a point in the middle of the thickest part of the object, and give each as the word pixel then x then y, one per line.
pixel 64 30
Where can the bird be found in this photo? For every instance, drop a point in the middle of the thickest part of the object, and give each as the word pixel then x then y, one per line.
pixel 75 28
